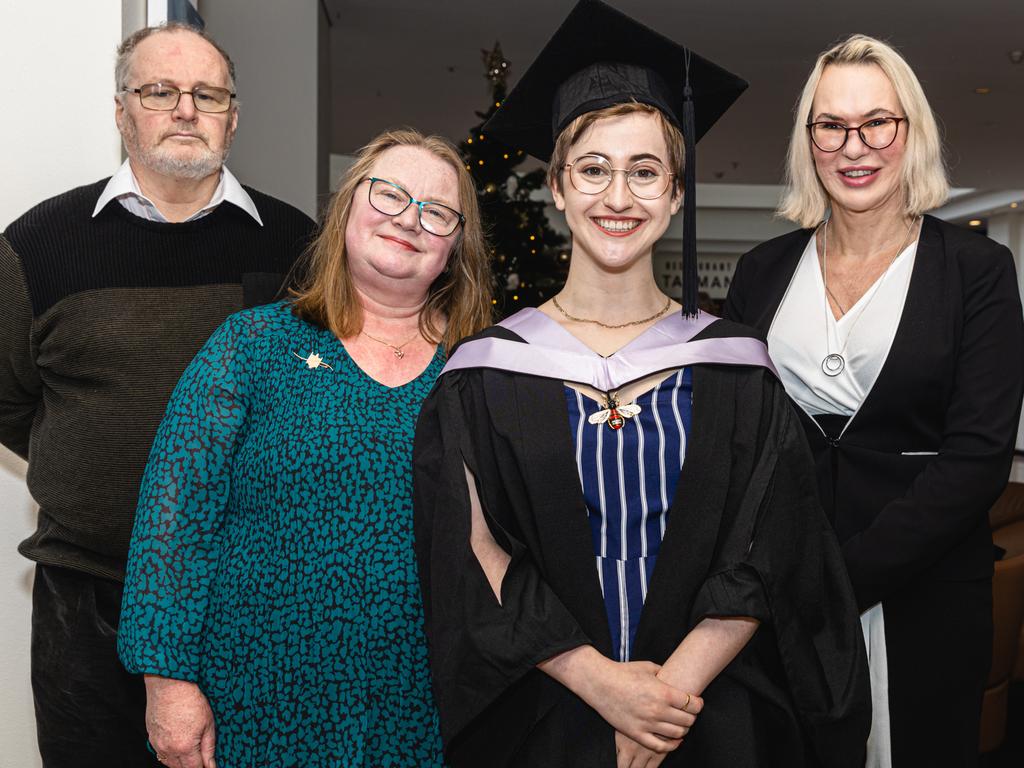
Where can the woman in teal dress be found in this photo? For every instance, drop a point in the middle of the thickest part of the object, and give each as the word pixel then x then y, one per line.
pixel 271 598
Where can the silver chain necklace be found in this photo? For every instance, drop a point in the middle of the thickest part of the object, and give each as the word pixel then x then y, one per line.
pixel 834 363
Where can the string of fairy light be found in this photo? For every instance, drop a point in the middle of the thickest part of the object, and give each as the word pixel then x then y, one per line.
pixel 518 222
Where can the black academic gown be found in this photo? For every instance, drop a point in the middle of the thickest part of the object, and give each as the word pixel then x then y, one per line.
pixel 745 537
pixel 910 482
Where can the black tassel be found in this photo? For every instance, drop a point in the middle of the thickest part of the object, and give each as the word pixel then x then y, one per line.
pixel 690 277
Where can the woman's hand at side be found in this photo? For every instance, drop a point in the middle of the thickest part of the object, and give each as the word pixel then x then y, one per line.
pixel 180 723
pixel 629 696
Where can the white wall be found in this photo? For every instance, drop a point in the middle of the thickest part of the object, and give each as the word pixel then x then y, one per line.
pixel 48 148
pixel 280 52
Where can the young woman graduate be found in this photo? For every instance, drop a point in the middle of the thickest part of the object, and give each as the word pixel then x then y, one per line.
pixel 616 520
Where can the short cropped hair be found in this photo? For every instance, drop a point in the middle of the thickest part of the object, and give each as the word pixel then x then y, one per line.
pixel 461 295
pixel 122 67
pixel 925 182
pixel 574 130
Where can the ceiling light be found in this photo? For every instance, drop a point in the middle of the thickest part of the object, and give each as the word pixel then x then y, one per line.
pixel 1017 56
pixel 974 223
pixel 983 91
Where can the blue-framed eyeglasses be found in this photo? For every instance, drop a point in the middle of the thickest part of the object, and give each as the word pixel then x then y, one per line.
pixel 391 200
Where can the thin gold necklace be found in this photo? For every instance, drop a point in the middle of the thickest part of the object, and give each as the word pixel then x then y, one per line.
pixel 655 316
pixel 395 348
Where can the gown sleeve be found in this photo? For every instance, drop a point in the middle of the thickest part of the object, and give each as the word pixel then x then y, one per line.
pixel 479 648
pixel 175 544
pixel 780 563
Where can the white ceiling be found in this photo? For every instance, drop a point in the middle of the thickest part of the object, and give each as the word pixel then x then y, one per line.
pixel 418 62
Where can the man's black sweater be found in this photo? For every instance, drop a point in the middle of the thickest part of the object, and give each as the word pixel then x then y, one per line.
pixel 98 318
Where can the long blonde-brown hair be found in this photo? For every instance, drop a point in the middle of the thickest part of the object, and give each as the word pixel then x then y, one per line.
pixel 461 295
pixel 925 184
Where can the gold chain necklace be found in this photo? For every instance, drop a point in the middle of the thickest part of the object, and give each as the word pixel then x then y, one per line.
pixel 655 316
pixel 396 349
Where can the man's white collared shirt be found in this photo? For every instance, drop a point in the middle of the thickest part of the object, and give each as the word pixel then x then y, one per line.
pixel 124 187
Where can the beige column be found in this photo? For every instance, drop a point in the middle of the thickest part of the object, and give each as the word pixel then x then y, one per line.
pixel 280 50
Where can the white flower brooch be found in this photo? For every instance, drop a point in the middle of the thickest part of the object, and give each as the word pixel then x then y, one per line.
pixel 313 361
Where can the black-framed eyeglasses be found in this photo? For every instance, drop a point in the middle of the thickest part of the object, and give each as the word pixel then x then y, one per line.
pixel 877 133
pixel 391 200
pixel 592 175
pixel 164 98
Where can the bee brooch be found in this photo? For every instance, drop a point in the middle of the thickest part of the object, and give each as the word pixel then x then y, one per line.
pixel 613 414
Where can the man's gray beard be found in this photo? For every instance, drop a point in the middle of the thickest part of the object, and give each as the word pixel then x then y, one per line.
pixel 165 162
pixel 195 167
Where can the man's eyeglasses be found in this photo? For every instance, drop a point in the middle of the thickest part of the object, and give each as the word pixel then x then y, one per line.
pixel 164 98
pixel 878 133
pixel 592 174
pixel 391 200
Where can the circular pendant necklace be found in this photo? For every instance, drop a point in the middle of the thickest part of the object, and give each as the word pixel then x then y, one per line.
pixel 834 363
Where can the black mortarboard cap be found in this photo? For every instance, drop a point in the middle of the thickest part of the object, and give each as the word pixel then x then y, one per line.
pixel 600 57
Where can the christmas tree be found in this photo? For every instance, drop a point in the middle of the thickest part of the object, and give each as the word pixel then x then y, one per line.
pixel 528 257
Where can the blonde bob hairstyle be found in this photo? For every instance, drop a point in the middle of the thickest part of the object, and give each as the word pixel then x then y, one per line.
pixel 574 131
pixel 925 184
pixel 458 303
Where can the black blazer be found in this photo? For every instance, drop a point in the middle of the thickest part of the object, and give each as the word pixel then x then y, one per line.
pixel 949 392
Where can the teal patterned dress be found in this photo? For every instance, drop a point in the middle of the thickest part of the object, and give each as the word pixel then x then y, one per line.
pixel 272 559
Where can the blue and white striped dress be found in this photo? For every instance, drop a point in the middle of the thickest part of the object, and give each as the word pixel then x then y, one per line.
pixel 629 479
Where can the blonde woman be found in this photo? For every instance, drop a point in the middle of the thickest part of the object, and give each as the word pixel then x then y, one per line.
pixel 899 338
pixel 271 598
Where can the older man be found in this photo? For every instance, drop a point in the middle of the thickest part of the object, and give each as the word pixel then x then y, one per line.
pixel 106 294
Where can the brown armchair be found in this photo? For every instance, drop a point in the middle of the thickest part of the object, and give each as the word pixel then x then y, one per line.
pixel 1007 520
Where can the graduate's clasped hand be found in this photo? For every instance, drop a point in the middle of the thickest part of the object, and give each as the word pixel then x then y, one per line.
pixel 650 717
